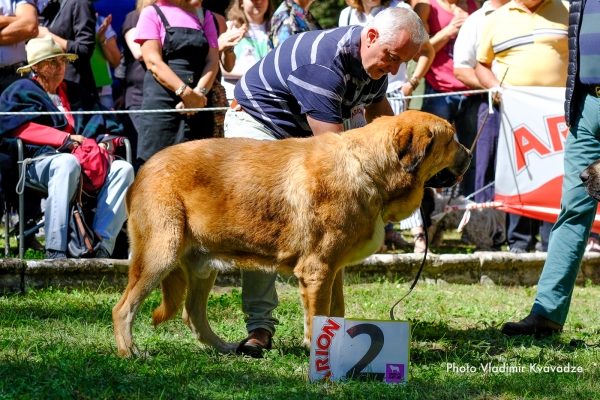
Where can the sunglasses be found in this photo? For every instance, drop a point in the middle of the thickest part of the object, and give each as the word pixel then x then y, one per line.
pixel 57 62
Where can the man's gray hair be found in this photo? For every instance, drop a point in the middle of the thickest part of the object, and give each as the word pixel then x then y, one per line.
pixel 392 20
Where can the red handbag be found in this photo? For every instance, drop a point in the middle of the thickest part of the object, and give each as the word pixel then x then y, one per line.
pixel 95 163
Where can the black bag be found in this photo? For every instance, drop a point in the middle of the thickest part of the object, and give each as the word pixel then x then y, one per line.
pixel 81 238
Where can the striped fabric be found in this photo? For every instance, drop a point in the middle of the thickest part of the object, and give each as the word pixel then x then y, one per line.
pixel 538 35
pixel 412 222
pixel 317 73
pixel 532 49
pixel 589 44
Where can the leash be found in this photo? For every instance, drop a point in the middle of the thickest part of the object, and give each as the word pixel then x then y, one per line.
pixel 487 114
pixel 420 268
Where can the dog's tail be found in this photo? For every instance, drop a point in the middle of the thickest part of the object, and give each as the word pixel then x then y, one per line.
pixel 173 288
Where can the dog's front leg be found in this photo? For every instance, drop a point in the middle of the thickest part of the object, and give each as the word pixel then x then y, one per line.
pixel 316 282
pixel 338 308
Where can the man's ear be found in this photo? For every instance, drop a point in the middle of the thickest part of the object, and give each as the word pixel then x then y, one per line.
pixel 372 36
pixel 413 146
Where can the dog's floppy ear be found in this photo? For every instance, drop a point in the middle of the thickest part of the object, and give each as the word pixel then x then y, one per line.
pixel 413 144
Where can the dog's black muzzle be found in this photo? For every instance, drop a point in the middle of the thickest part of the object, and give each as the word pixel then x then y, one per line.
pixel 443 179
pixel 449 177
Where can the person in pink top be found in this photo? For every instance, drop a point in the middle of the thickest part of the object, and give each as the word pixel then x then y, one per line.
pixel 443 19
pixel 182 59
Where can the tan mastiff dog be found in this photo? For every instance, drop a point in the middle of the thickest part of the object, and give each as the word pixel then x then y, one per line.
pixel 303 206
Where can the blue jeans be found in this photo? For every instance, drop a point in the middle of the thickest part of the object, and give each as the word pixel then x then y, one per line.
pixel 577 212
pixel 60 174
pixel 486 151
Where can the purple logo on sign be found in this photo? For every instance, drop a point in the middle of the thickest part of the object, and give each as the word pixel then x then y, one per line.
pixel 394 373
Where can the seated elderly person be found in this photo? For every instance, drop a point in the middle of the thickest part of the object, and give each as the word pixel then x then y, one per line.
pixel 60 172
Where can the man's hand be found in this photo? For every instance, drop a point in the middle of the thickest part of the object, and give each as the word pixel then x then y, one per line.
pixel 488 79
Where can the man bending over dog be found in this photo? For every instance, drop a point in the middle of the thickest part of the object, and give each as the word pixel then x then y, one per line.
pixel 313 83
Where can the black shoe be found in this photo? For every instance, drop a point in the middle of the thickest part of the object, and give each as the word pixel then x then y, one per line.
pixel 55 255
pixel 31 242
pixel 258 340
pixel 534 324
pixel 101 252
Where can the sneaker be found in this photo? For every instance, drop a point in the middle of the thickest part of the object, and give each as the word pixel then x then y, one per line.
pixel 55 255
pixel 517 250
pixel 101 252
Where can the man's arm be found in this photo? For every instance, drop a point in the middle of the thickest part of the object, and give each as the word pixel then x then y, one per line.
pixel 468 77
pixel 465 53
pixel 488 79
pixel 24 26
pixel 5 20
pixel 375 110
pixel 486 76
pixel 320 127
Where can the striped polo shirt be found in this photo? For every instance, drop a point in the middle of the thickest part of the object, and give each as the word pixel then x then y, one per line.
pixel 532 49
pixel 317 73
pixel 589 44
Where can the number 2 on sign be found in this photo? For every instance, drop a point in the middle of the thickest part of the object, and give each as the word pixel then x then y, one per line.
pixel 377 340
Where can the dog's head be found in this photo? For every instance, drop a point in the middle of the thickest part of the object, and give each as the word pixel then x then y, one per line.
pixel 406 153
pixel 427 148
pixel 591 179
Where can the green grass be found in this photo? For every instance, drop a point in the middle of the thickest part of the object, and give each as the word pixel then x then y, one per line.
pixel 59 344
pixel 13 243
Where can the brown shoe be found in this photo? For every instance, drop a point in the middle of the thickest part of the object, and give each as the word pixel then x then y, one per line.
pixel 534 324
pixel 258 340
pixel 395 241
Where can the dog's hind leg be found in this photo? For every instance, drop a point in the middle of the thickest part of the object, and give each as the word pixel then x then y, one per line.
pixel 123 314
pixel 172 288
pixel 195 312
pixel 148 267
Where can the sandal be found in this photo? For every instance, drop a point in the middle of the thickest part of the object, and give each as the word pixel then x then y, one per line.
pixel 421 249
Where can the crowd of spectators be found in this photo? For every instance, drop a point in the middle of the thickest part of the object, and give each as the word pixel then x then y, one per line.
pixel 172 54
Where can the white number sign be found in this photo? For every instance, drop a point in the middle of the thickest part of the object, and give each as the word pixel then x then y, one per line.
pixel 352 348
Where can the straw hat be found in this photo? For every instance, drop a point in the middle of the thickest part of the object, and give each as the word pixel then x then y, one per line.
pixel 43 49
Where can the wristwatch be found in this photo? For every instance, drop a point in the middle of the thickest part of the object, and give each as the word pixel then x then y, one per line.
pixel 180 91
pixel 203 90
